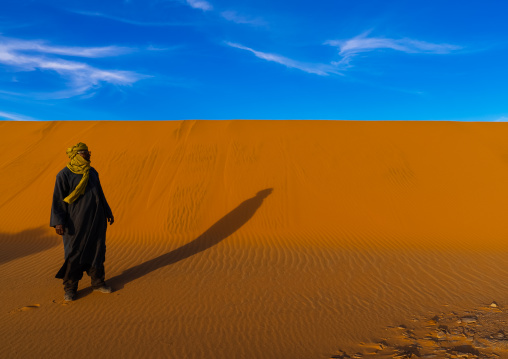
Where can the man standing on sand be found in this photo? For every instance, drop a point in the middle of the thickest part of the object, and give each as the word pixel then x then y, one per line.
pixel 80 214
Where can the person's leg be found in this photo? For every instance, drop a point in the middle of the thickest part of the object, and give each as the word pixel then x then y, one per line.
pixel 71 285
pixel 97 276
pixel 73 275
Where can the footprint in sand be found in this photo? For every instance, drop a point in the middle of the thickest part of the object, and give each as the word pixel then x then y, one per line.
pixel 25 309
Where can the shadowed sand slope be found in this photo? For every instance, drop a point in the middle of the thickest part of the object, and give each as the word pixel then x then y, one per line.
pixel 30 241
pixel 264 239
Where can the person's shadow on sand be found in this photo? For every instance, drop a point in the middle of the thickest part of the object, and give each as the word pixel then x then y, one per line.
pixel 226 226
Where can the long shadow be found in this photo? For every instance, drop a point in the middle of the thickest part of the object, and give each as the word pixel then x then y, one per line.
pixel 226 226
pixel 25 243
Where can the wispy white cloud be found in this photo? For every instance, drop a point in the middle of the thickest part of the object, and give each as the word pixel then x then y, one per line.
pixel 157 48
pixel 240 19
pixel 318 69
pixel 502 119
pixel 348 49
pixel 363 43
pixel 129 21
pixel 200 4
pixel 41 46
pixel 24 55
pixel 16 117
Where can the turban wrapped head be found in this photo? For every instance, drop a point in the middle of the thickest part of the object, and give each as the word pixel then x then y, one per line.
pixel 73 151
pixel 78 165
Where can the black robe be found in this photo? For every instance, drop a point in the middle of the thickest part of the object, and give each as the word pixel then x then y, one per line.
pixel 84 221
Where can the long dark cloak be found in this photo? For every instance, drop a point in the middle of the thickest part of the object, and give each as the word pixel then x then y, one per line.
pixel 84 221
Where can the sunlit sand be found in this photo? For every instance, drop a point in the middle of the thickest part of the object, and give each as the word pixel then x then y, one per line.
pixel 264 239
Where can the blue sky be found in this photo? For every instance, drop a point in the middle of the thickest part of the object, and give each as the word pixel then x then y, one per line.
pixel 246 59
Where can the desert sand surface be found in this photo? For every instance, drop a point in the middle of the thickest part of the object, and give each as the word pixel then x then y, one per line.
pixel 264 239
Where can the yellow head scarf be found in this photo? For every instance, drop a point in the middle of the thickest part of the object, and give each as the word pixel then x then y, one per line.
pixel 78 165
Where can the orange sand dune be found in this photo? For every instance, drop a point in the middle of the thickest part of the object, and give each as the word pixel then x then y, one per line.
pixel 264 239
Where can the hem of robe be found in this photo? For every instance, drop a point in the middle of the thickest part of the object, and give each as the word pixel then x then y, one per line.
pixel 64 270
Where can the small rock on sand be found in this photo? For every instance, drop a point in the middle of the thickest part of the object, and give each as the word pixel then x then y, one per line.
pixel 499 335
pixel 468 320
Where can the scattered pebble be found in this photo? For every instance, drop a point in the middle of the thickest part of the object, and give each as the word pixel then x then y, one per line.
pixel 469 319
pixel 500 335
pixel 441 334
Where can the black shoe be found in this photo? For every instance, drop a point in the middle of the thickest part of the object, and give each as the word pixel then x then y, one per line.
pixel 103 289
pixel 69 296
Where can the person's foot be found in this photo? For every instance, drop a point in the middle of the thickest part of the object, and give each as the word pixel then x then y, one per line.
pixel 69 296
pixel 103 289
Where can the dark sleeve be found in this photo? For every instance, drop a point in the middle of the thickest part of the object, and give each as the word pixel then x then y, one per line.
pixel 107 209
pixel 59 209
